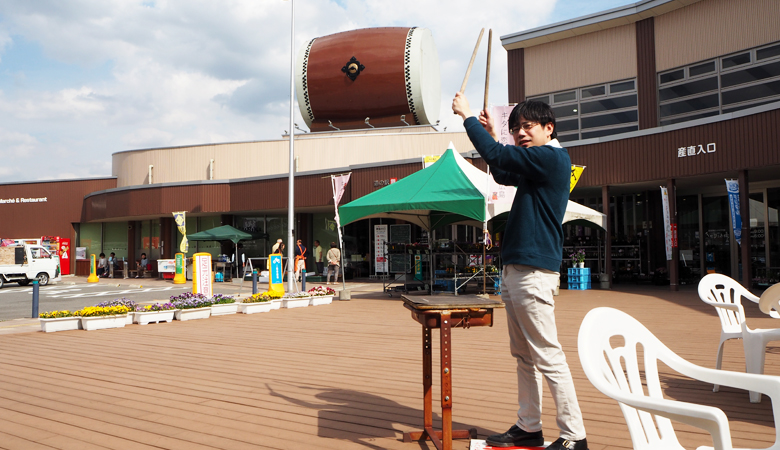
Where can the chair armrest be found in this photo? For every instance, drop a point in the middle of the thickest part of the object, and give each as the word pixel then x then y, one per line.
pixel 730 306
pixel 708 418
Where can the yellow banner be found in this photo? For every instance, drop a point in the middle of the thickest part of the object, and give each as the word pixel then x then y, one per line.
pixel 181 224
pixel 576 172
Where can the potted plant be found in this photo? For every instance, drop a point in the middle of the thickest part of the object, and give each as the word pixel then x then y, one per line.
pixel 321 295
pixel 131 306
pixel 223 304
pixel 154 313
pixel 256 304
pixel 578 258
pixel 191 306
pixel 59 321
pixel 102 317
pixel 296 300
pixel 276 298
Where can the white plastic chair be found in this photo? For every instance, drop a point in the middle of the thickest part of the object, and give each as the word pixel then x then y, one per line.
pixel 769 302
pixel 615 371
pixel 725 295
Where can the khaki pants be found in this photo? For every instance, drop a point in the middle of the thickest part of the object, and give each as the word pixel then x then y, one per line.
pixel 333 268
pixel 533 339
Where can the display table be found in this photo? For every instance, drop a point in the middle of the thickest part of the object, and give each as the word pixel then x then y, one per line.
pixel 444 312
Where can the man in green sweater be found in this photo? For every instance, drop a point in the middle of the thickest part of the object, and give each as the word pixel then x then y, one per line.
pixel 531 252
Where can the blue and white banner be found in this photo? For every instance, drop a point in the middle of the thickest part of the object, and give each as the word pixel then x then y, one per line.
pixel 732 187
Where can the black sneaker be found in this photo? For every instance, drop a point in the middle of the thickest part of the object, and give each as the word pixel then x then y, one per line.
pixel 516 437
pixel 565 444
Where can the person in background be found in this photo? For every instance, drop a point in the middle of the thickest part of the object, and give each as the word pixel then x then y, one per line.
pixel 112 264
pixel 142 263
pixel 300 259
pixel 334 262
pixel 318 257
pixel 102 266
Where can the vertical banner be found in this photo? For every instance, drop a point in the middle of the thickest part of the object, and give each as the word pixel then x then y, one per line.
pixel 339 184
pixel 501 124
pixel 201 274
pixel 65 252
pixel 667 224
pixel 732 187
pixel 181 224
pixel 576 172
pixel 181 273
pixel 275 277
pixel 380 249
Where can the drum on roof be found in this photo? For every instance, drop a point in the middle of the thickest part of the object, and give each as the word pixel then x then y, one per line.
pixel 379 74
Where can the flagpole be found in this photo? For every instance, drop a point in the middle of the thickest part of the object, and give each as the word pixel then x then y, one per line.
pixel 291 285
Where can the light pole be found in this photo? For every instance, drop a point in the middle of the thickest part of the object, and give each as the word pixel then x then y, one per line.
pixel 291 176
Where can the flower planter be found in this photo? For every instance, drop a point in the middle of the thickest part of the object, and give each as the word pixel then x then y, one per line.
pixel 224 308
pixel 103 322
pixel 321 300
pixel 147 317
pixel 130 317
pixel 192 313
pixel 295 302
pixel 60 324
pixel 276 303
pixel 257 307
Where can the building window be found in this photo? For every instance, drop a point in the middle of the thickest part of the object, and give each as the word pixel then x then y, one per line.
pixel 594 111
pixel 722 85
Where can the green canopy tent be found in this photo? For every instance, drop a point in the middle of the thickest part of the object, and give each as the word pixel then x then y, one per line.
pixel 223 233
pixel 449 191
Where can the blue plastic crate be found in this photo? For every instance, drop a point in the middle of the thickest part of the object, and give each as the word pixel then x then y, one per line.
pixel 579 279
pixel 575 271
pixel 579 286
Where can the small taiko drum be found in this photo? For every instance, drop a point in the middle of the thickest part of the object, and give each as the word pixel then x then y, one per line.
pixel 374 77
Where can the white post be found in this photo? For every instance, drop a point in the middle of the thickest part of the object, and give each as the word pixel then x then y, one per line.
pixel 291 176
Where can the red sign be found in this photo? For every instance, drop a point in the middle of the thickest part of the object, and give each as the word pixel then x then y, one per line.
pixel 674 235
pixel 65 256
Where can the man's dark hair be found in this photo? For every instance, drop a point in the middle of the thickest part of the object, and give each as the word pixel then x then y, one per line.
pixel 534 111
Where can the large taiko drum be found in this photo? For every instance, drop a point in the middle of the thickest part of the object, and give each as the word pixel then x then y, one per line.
pixel 381 77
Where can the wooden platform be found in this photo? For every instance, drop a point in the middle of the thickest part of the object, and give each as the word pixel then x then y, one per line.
pixel 329 377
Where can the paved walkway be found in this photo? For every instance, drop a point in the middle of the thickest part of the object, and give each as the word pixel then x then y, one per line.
pixel 339 376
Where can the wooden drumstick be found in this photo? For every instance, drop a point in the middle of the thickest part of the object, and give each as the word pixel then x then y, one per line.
pixel 471 63
pixel 487 71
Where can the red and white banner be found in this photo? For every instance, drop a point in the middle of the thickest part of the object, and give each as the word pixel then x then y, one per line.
pixel 339 186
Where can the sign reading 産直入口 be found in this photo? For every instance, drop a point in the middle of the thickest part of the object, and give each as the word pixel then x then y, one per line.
pixel 24 200
pixel 695 150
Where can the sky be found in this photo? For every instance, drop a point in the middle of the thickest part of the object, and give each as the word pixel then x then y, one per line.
pixel 83 79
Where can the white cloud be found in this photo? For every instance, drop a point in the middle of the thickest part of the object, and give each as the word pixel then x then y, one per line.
pixel 198 71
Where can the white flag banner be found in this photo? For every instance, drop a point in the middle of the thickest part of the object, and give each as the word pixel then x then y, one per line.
pixel 501 123
pixel 339 186
pixel 498 193
pixel 667 223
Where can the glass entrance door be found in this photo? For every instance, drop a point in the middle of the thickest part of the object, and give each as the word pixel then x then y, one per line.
pixel 717 235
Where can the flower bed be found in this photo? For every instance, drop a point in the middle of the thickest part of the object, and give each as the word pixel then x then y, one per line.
pixel 321 296
pixel 257 303
pixel 131 305
pixel 102 317
pixel 296 300
pixel 223 304
pixel 155 313
pixel 59 321
pixel 191 306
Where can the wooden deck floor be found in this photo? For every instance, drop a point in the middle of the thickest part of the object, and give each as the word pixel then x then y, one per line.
pixel 342 376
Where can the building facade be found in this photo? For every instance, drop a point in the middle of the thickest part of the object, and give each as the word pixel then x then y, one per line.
pixel 675 93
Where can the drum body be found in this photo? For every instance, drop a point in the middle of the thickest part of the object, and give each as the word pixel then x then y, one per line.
pixel 379 74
